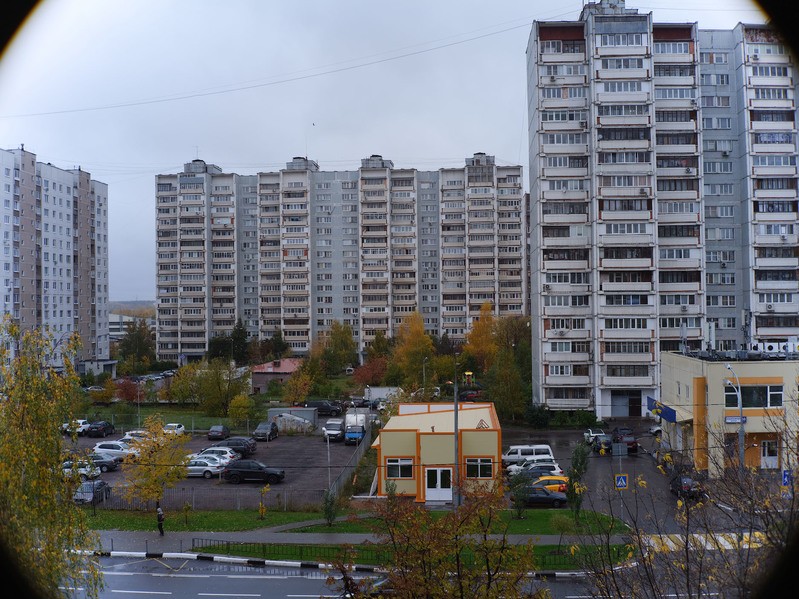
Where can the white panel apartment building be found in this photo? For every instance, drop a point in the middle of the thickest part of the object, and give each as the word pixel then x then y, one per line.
pixel 55 253
pixel 306 247
pixel 663 200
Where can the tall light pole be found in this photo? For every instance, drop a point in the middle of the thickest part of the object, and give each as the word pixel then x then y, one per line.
pixel 741 431
pixel 424 376
pixel 457 460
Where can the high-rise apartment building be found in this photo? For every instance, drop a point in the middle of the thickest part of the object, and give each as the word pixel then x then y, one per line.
pixel 294 250
pixel 663 200
pixel 55 253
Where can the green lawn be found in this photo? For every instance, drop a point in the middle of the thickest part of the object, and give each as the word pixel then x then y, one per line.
pixel 535 521
pixel 217 520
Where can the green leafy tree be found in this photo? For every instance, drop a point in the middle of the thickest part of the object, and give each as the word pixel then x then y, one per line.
pixel 159 463
pixel 238 341
pixel 184 387
pixel 481 344
pixel 340 348
pixel 220 347
pixel 39 523
pixel 380 347
pixel 278 347
pixel 412 348
pixel 506 388
pixel 296 388
pixel 575 487
pixel 136 350
pixel 218 383
pixel 242 408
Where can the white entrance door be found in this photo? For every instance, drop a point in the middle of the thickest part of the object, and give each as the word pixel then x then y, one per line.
pixel 768 455
pixel 438 483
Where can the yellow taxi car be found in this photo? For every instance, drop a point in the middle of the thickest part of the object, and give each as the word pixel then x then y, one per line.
pixel 552 483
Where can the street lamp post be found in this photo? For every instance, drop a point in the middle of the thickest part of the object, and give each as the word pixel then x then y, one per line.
pixel 424 375
pixel 741 431
pixel 457 460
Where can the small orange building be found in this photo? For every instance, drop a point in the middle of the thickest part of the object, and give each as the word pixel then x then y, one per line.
pixel 416 449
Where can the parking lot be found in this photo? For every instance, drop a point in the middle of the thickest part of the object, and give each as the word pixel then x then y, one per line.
pixel 303 457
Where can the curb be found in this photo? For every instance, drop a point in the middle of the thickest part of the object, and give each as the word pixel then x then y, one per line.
pixel 228 560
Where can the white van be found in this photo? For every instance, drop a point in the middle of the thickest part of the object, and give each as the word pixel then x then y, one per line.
pixel 516 454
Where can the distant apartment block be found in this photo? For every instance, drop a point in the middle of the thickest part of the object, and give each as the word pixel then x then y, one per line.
pixel 55 253
pixel 295 250
pixel 663 189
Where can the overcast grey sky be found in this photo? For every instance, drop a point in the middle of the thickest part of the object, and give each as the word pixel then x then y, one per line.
pixel 127 90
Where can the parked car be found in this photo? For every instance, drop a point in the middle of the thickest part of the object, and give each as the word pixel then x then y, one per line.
pixel 92 491
pixel 115 448
pixel 533 470
pixel 223 454
pixel 136 435
pixel 619 432
pixel 207 467
pixel 553 483
pixel 603 443
pixel 324 407
pixel 685 487
pixel 265 431
pixel 174 428
pixel 631 441
pixel 218 431
pixel 655 430
pixel 532 496
pixel 354 434
pixel 79 426
pixel 244 470
pixel 245 446
pixel 515 469
pixel 104 461
pixel 517 454
pixel 85 468
pixel 333 430
pixel 101 428
pixel 590 434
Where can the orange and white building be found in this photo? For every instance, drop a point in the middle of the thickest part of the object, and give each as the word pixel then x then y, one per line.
pixel 416 449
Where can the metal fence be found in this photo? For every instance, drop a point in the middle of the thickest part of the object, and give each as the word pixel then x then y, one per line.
pixel 348 470
pixel 227 497
pixel 289 551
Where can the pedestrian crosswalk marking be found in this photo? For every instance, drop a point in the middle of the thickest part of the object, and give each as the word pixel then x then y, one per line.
pixel 709 541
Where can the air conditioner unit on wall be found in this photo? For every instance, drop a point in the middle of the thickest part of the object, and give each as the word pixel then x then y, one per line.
pixel 725 153
pixel 770 307
pixel 561 333
pixel 684 308
pixel 755 57
pixel 547 287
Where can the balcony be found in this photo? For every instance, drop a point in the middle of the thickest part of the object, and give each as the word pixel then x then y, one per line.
pixel 626 215
pixel 559 381
pixel 564 219
pixel 683 264
pixel 625 263
pixel 628 381
pixel 609 287
pixel 644 240
pixel 567 403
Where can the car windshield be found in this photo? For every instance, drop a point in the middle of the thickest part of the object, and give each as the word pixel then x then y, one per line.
pixel 86 487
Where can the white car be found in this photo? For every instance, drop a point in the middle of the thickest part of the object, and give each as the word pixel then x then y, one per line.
pixel 590 434
pixel 207 467
pixel 174 428
pixel 86 470
pixel 133 436
pixel 115 448
pixel 224 454
pixel 81 426
pixel 514 469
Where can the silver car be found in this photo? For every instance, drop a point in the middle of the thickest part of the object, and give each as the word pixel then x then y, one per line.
pixel 205 467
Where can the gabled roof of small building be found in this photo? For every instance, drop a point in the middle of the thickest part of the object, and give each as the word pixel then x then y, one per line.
pixel 440 418
pixel 281 366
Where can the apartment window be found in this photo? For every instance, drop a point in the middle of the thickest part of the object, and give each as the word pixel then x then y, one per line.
pixel 625 323
pixel 623 86
pixel 621 39
pixel 723 211
pixel 720 233
pixel 479 468
pixel 715 101
pixel 713 57
pixel 628 370
pixel 725 301
pixel 754 396
pixel 720 278
pixel 714 79
pixel 711 167
pixel 720 255
pixel 627 347
pixel 776 298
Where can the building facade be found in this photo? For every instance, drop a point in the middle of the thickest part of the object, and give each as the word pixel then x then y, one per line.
pixel 295 250
pixel 663 200
pixel 701 416
pixel 55 253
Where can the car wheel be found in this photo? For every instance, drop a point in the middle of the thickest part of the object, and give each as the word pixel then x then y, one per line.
pixel 103 468
pixel 556 503
pixel 207 474
pixel 272 479
pixel 235 479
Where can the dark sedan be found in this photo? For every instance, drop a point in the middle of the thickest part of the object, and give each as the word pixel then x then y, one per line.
pixel 104 461
pixel 533 496
pixel 92 491
pixel 218 431
pixel 101 428
pixel 244 470
pixel 265 431
pixel 603 443
pixel 685 487
pixel 245 446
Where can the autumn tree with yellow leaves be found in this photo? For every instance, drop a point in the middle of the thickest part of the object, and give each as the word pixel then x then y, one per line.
pixel 481 342
pixel 39 523
pixel 159 462
pixel 413 346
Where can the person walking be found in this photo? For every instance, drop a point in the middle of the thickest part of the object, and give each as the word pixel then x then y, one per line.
pixel 160 513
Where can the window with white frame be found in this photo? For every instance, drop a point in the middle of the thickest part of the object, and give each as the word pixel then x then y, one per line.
pixel 399 468
pixel 754 396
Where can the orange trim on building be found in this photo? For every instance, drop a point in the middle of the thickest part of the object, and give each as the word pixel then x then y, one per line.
pixel 701 457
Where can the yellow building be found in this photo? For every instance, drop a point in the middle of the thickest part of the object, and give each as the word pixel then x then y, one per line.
pixel 701 415
pixel 416 449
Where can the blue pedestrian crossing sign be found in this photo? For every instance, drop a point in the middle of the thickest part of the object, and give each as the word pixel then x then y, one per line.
pixel 787 478
pixel 621 482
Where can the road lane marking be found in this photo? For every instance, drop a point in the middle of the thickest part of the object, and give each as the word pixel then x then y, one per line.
pixel 142 592
pixel 229 594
